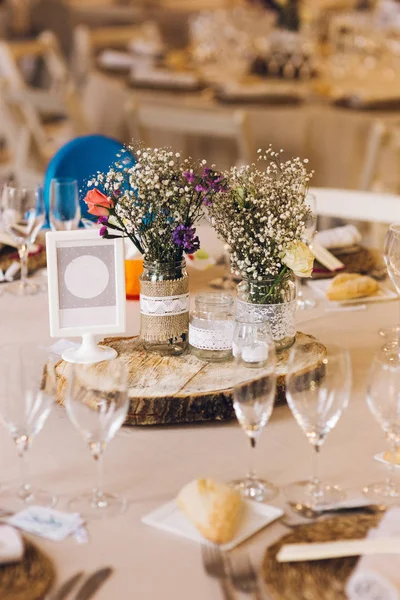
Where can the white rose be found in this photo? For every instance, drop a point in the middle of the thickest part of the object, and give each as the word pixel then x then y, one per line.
pixel 299 258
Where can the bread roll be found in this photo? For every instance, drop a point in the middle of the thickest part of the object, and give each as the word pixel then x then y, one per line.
pixel 348 286
pixel 392 459
pixel 214 509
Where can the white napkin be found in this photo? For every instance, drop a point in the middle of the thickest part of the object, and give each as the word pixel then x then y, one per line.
pixel 378 577
pixel 48 523
pixel 339 237
pixel 326 258
pixel 11 545
pixel 116 59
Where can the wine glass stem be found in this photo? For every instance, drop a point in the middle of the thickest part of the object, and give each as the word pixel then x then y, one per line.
pixel 98 490
pixel 25 487
pixel 390 483
pixel 251 474
pixel 316 481
pixel 299 291
pixel 23 252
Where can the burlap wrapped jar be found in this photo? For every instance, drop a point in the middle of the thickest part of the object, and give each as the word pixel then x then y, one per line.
pixel 164 307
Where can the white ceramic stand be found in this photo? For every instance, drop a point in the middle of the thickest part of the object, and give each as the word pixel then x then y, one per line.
pixel 89 352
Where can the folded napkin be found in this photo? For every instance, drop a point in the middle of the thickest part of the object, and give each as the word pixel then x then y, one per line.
pixel 325 258
pixel 11 545
pixel 116 60
pixel 48 523
pixel 377 577
pixel 339 237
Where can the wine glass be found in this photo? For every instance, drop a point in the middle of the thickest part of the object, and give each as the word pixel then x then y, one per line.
pixel 65 211
pixel 383 398
pixel 27 393
pixel 317 398
pixel 97 404
pixel 253 400
pixel 310 227
pixel 23 215
pixel 391 251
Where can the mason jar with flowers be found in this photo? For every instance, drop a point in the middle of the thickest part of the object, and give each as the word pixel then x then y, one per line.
pixel 261 216
pixel 154 197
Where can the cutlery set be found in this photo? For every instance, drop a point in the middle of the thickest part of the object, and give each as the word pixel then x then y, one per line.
pixel 232 573
pixel 87 589
pixel 235 573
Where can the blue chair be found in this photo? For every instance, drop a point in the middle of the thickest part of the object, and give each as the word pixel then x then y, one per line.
pixel 80 159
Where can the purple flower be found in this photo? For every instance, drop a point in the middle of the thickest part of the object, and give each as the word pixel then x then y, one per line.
pixel 185 237
pixel 191 177
pixel 103 220
pixel 103 231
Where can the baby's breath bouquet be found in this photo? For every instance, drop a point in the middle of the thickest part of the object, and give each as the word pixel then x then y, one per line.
pixel 154 197
pixel 154 201
pixel 261 215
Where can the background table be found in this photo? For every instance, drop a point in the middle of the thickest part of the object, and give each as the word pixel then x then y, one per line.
pixel 149 466
pixel 333 139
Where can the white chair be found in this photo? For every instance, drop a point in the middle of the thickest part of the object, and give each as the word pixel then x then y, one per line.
pixel 45 47
pixel 31 111
pixel 60 86
pixel 89 42
pixel 24 156
pixel 377 209
pixel 383 142
pixel 186 121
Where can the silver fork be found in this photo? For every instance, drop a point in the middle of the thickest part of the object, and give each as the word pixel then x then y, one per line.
pixel 244 577
pixel 214 566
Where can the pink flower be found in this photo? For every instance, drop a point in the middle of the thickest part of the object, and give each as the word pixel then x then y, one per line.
pixel 98 203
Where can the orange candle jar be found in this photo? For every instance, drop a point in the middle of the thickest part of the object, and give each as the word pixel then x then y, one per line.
pixel 133 270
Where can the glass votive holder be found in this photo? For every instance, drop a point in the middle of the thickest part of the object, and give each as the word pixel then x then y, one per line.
pixel 211 327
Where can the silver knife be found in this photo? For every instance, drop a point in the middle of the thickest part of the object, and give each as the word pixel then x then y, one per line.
pixel 66 588
pixel 93 583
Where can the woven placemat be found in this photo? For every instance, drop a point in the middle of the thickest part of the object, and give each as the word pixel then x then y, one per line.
pixel 315 580
pixel 29 579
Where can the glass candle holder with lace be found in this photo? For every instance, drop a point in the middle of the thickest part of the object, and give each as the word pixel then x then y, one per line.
pixel 211 327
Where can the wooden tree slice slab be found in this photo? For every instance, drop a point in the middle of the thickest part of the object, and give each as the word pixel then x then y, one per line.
pixel 183 389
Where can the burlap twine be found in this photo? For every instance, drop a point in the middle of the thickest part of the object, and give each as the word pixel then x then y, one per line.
pixel 164 327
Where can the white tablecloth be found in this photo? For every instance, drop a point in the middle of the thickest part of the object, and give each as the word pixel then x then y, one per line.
pixel 150 465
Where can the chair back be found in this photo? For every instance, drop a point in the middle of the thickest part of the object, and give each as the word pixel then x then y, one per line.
pixel 192 121
pixel 80 159
pixel 45 47
pixel 88 42
pixel 24 142
pixel 382 158
pixel 355 205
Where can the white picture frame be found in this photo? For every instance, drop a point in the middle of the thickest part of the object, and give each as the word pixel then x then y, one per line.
pixel 86 290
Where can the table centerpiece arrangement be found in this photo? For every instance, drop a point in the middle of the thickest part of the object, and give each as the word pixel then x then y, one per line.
pixel 261 216
pixel 155 203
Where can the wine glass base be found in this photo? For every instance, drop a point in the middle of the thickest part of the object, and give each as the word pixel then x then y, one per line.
pixel 101 508
pixel 14 499
pixel 304 494
pixel 305 303
pixel 382 493
pixel 19 288
pixel 255 489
